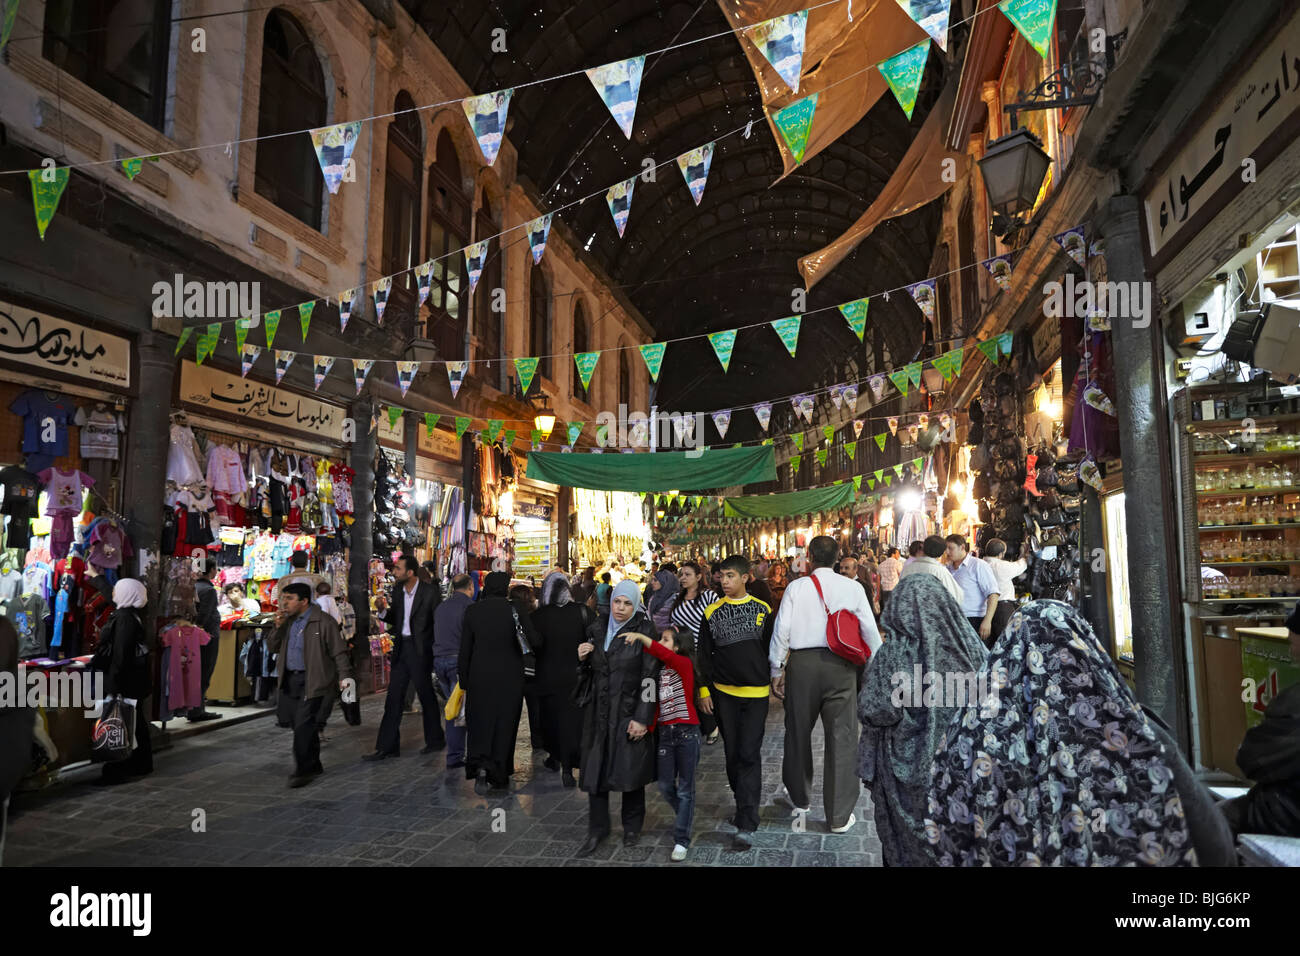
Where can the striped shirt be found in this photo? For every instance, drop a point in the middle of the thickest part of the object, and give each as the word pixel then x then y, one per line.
pixel 689 615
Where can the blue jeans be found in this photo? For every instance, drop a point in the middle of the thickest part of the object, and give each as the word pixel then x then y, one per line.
pixel 679 753
pixel 447 669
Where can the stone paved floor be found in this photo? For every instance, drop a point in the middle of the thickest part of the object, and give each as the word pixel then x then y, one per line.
pixel 408 811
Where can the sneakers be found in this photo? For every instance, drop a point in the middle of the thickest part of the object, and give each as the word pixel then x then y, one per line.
pixel 847 826
pixel 796 806
pixel 744 839
pixel 679 853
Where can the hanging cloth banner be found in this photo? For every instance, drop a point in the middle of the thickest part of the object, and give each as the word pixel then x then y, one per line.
pixel 781 41
pixel 572 431
pixel 903 73
pixel 913 371
pixel 695 169
pixel 538 230
pixel 423 282
pixel 857 482
pixel 131 166
pixel 619 200
pixel 475 256
pixel 1075 245
pixel 763 412
pixel 334 145
pixel 723 343
pixel 241 333
pixel 892 422
pixel 721 420
pixel 456 375
pixel 1089 473
pixel 829 432
pixel 206 344
pixel 430 422
pixel 851 449
pixel 247 356
pixel 855 313
pixel 989 349
pixel 283 359
pixel 272 326
pixel 924 294
pixel 493 429
pixel 788 330
pixel 321 365
pixel 858 424
pixel 661 472
pixel 47 189
pixel 795 122
pixel 619 84
pixel 406 375
pixel 525 369
pixel 1004 342
pixel 899 378
pixel 462 426
pixel 185 337
pixel 586 363
pixel 795 462
pixel 345 307
pixel 880 440
pixel 850 396
pixel 999 267
pixel 797 438
pixel 877 385
pixel 1034 19
pixel 653 356
pixel 305 310
pixel 380 290
pixel 821 456
pixel 931 16
pixel 360 369
pixel 10 16
pixel 487 118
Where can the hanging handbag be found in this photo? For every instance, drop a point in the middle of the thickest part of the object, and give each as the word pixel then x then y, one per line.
pixel 526 649
pixel 455 703
pixel 113 737
pixel 843 635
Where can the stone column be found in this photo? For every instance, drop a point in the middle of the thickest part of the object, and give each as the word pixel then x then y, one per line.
pixel 1148 479
pixel 1096 583
pixel 147 445
pixel 363 501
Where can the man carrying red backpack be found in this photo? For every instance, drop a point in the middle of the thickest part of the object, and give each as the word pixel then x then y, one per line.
pixel 817 677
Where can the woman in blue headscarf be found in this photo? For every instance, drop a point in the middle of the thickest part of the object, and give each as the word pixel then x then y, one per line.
pixel 618 744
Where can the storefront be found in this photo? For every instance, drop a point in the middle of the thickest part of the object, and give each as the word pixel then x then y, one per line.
pixel 607 528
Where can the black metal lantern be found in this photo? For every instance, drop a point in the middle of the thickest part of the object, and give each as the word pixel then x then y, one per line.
pixel 1014 168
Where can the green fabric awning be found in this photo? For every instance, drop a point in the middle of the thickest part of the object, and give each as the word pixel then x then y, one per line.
pixel 790 503
pixel 662 471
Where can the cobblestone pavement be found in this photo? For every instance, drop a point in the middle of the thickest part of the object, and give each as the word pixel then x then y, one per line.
pixel 408 811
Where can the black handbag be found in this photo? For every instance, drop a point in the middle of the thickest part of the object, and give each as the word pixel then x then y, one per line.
pixel 526 649
pixel 584 690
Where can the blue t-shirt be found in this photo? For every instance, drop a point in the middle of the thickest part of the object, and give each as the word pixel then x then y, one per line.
pixel 35 407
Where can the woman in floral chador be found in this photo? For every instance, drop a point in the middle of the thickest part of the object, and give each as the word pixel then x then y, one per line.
pixel 1061 767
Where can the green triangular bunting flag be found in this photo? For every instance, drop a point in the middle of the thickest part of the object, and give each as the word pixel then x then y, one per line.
pixel 132 167
pixel 821 456
pixel 871 484
pixel 857 482
pixel 526 368
pixel 508 437
pixel 795 460
pixel 899 378
pixel 916 463
pixel 394 413
pixel 880 472
pixel 788 330
pixel 586 362
pixel 462 426
pixel 723 343
pixel 272 320
pixel 851 449
pixel 241 334
pixel 889 480
pixel 493 429
pixel 536 436
pixel 914 373
pixel 903 74
pixel 829 432
pixel 185 337
pixel 430 421
pixel 573 431
pixel 305 310
pixel 898 471
pixel 47 189
pixel 797 438
pixel 653 356
pixel 880 440
pixel 206 344
pixel 1004 342
pixel 794 122
pixel 1033 18
pixel 989 349
pixel 855 313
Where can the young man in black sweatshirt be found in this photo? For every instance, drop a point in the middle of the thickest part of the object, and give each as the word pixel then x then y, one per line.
pixel 733 645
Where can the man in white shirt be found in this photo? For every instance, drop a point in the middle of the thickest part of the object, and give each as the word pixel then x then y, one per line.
pixel 980 589
pixel 1006 572
pixel 927 562
pixel 890 569
pixel 820 683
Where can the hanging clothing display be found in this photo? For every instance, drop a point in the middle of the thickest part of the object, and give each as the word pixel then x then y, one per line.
pixel 39 411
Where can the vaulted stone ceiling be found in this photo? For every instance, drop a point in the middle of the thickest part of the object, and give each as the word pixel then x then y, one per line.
pixel 732 260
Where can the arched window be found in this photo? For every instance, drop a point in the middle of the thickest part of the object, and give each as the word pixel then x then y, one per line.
pixel 581 331
pixel 487 322
pixel 448 234
pixel 405 169
pixel 539 331
pixel 292 98
pixel 624 379
pixel 117 48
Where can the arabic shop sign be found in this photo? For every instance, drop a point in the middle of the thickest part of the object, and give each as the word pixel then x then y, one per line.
pixel 1221 147
pixel 217 391
pixel 53 345
pixel 441 444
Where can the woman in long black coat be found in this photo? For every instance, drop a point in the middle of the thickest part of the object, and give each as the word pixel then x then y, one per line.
pixel 492 676
pixel 127 673
pixel 618 746
pixel 562 624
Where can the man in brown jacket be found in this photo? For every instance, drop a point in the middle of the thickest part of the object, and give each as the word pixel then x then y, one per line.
pixel 313 658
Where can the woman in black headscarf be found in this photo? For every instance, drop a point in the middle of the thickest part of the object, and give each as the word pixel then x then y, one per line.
pixel 904 716
pixel 1060 766
pixel 562 623
pixel 492 676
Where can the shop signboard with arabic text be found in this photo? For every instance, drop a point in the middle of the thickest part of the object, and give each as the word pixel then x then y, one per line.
pixel 1219 148
pixel 206 387
pixel 52 345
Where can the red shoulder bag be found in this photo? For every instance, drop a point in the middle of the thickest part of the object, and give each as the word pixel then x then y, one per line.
pixel 843 635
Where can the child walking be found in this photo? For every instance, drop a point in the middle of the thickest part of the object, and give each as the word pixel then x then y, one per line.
pixel 679 728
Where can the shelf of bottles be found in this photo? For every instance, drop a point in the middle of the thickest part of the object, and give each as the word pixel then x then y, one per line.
pixel 1247 479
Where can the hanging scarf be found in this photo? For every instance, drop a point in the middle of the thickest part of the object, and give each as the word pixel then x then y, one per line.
pixel 1061 767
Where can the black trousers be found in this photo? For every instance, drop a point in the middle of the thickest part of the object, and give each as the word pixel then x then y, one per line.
pixel 1001 616
pixel 306 742
pixel 743 722
pixel 532 701
pixel 632 811
pixel 207 664
pixel 407 670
